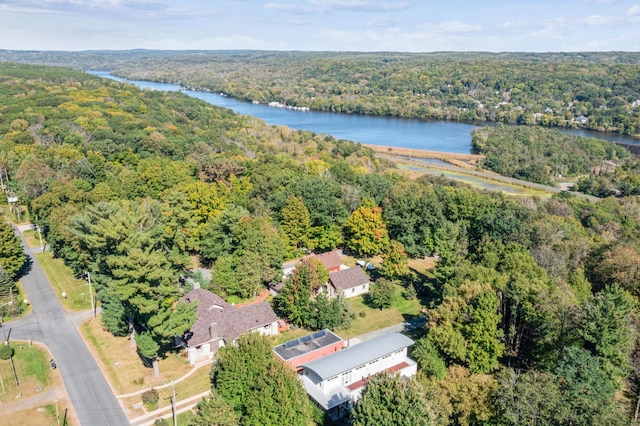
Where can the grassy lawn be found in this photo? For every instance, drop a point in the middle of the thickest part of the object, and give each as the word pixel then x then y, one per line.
pixel 32 238
pixel 374 319
pixel 122 365
pixel 63 280
pixel 290 335
pixel 42 416
pixel 196 383
pixel 32 369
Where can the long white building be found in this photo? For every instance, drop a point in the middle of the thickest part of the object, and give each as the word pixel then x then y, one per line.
pixel 336 381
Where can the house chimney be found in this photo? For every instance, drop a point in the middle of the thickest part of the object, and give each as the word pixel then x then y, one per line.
pixel 213 330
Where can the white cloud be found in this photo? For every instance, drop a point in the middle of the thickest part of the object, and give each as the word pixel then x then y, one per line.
pixel 291 8
pixel 449 27
pixel 601 1
pixel 634 10
pixel 382 22
pixel 359 5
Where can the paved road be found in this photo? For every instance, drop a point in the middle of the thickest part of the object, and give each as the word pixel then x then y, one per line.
pixel 90 394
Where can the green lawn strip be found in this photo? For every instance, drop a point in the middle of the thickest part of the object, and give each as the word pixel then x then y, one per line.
pixel 99 348
pixel 32 238
pixel 375 319
pixel 32 369
pixel 195 384
pixel 64 281
pixel 290 335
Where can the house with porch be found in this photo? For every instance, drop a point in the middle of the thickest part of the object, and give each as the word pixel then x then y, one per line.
pixel 335 381
pixel 219 323
pixel 348 282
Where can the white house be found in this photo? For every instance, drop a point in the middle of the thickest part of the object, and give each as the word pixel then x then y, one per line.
pixel 219 323
pixel 348 282
pixel 336 381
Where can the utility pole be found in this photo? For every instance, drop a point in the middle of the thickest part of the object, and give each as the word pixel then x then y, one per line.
pixel 39 234
pixel 173 404
pixel 93 306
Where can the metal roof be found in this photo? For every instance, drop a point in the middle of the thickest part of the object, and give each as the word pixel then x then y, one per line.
pixel 357 355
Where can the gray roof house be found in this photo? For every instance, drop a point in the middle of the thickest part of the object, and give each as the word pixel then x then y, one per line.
pixel 336 381
pixel 348 282
pixel 219 323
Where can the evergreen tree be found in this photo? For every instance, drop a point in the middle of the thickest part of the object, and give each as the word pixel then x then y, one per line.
pixel 148 348
pixel 6 283
pixel 12 255
pixel 294 223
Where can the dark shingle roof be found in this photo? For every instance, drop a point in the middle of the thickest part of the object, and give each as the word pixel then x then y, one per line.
pixel 230 321
pixel 348 278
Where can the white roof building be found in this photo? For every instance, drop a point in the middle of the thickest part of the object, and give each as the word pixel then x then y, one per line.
pixel 335 381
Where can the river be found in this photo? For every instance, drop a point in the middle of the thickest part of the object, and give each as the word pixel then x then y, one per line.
pixel 434 135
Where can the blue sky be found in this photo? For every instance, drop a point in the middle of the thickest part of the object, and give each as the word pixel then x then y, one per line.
pixel 336 25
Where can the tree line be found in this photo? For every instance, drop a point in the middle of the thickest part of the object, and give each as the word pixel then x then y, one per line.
pixel 548 89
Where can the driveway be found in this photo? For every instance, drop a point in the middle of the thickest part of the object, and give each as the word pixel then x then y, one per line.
pixel 90 394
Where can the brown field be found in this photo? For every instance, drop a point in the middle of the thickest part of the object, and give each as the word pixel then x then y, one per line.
pixel 462 160
pixel 122 365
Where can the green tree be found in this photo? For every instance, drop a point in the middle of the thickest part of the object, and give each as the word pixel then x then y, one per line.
pixel 365 230
pixel 12 255
pixel 255 384
pixel 6 283
pixel 295 300
pixel 529 398
pixel 388 400
pixel 214 411
pixel 114 315
pixel 294 223
pixel 465 328
pixel 588 389
pixel 223 276
pixel 430 361
pixel 382 294
pixel 394 261
pixel 328 313
pixel 148 348
pixel 607 327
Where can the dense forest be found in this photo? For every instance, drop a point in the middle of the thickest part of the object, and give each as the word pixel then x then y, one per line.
pixel 531 309
pixel 598 91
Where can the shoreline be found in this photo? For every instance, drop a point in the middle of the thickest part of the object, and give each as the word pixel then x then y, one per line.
pixel 424 153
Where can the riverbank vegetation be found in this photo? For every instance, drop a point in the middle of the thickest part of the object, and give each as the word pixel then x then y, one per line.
pixel 130 185
pixel 596 167
pixel 593 90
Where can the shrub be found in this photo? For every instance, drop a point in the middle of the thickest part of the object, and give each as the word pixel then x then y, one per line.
pixel 150 398
pixel 362 314
pixel 410 293
pixel 6 351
